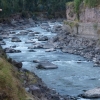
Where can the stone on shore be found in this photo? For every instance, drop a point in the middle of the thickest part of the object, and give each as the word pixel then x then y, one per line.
pixel 17 64
pixel 93 93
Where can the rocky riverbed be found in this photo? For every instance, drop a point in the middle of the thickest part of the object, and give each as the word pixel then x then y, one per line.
pixel 47 44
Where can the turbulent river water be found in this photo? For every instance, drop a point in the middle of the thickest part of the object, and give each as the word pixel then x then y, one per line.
pixel 74 73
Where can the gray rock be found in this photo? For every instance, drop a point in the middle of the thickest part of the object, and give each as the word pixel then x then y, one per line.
pixel 31 34
pixel 34 90
pixel 38 46
pixel 32 50
pixel 15 39
pixel 46 65
pixel 36 32
pixel 42 38
pixel 50 50
pixel 17 64
pixel 10 50
pixel 1 38
pixel 14 46
pixel 36 61
pixel 2 43
pixel 13 32
pixel 93 93
pixel 29 41
pixel 56 28
pixel 23 33
pixel 5 36
pixel 48 46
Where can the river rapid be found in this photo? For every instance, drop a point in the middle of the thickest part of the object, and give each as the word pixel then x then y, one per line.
pixel 74 73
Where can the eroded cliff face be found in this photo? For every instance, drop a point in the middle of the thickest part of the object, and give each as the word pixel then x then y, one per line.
pixel 90 15
pixel 88 23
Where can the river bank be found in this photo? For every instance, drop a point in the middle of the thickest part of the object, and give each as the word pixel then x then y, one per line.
pixel 64 40
pixel 89 48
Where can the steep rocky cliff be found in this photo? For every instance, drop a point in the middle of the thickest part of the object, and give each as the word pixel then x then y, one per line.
pixel 88 24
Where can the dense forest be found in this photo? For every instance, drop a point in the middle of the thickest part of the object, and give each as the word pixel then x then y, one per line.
pixel 33 7
pixel 10 7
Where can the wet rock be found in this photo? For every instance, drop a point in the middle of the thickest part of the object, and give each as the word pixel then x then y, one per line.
pixel 93 93
pixel 2 43
pixel 36 61
pixel 14 46
pixel 6 36
pixel 38 46
pixel 10 50
pixel 56 28
pixel 15 39
pixel 1 28
pixel 31 34
pixel 50 50
pixel 29 41
pixel 36 32
pixel 31 50
pixel 45 26
pixel 13 32
pixel 23 33
pixel 1 38
pixel 17 64
pixel 30 30
pixel 42 38
pixel 46 65
pixel 48 46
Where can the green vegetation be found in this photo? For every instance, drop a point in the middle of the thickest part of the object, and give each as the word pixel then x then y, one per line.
pixel 92 3
pixel 71 24
pixel 89 3
pixel 10 88
pixel 32 6
pixel 77 6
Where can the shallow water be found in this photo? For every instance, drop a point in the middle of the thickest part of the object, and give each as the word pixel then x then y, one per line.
pixel 74 73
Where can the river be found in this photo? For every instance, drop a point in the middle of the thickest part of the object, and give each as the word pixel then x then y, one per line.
pixel 74 73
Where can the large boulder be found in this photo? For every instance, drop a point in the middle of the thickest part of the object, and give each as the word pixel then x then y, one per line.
pixel 93 93
pixel 15 39
pixel 42 38
pixel 46 65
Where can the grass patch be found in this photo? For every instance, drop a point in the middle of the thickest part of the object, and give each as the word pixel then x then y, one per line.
pixel 10 87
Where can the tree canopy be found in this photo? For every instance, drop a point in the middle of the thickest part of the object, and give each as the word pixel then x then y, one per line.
pixel 18 6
